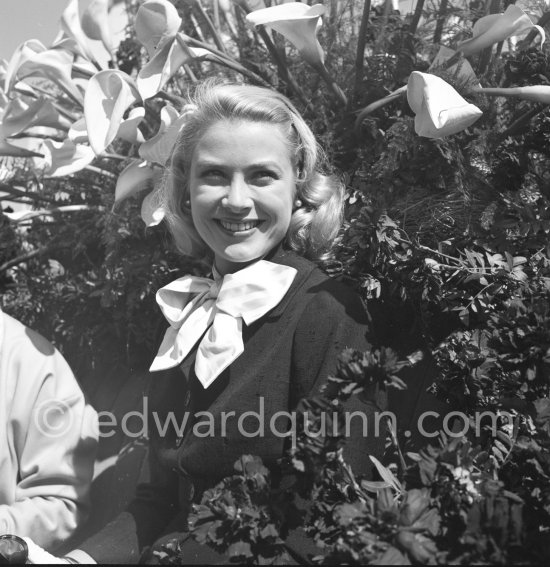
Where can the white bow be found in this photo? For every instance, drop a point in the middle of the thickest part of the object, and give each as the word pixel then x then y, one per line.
pixel 193 305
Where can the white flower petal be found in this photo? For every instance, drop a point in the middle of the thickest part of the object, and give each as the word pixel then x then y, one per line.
pixel 497 27
pixel 298 23
pixel 53 64
pixel 77 132
pixel 95 23
pixel 41 112
pixel 128 129
pixel 151 212
pixel 440 110
pixel 158 148
pixel 68 157
pixel 109 94
pixel 462 70
pixel 23 52
pixel 157 22
pixel 70 24
pixel 166 62
pixel 135 177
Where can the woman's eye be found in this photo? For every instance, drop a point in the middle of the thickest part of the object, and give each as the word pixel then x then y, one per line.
pixel 212 175
pixel 264 177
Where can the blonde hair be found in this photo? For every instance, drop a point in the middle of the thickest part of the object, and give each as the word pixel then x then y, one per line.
pixel 313 226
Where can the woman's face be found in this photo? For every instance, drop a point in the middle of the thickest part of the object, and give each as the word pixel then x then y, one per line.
pixel 242 186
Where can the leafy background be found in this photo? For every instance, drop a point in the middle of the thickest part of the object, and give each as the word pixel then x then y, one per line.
pixel 447 239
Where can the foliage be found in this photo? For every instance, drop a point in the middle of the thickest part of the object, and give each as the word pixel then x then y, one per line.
pixel 242 517
pixel 446 237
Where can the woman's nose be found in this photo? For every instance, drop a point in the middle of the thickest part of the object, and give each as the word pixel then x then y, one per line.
pixel 238 196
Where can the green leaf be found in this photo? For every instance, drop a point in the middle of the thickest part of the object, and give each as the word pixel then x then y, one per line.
pixel 386 474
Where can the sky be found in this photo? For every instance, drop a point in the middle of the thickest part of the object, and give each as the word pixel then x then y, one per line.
pixel 28 19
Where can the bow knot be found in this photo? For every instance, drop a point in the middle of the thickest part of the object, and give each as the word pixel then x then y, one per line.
pixel 213 312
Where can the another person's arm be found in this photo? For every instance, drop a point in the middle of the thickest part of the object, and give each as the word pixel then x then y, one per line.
pixel 51 438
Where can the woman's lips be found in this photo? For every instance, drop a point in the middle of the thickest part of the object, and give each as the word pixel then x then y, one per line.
pixel 239 226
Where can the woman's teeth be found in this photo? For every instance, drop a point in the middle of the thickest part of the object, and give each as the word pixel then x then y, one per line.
pixel 239 226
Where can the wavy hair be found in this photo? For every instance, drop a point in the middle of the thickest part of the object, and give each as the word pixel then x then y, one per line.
pixel 313 225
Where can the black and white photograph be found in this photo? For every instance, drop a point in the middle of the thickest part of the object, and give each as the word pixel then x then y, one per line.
pixel 275 282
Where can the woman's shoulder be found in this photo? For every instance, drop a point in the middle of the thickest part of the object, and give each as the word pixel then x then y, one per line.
pixel 319 293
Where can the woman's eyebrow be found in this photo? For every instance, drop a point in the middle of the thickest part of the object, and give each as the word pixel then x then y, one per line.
pixel 208 163
pixel 267 164
pixel 264 165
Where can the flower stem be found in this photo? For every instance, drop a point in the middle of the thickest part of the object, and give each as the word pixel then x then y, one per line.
pixel 333 86
pixel 361 44
pixel 520 122
pixel 440 21
pixel 100 171
pixel 210 26
pixel 416 17
pixel 282 67
pixel 378 104
pixel 221 58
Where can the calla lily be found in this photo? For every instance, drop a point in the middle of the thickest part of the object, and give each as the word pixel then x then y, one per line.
pixel 461 69
pixel 34 148
pixel 21 216
pixel 536 93
pixel 440 110
pixel 95 23
pixel 24 214
pixel 15 151
pixel 24 89
pixel 77 132
pixel 62 41
pixel 135 177
pixel 14 107
pixel 40 112
pixel 128 129
pixel 81 65
pixel 25 51
pixel 52 64
pixel 497 27
pixel 165 63
pixel 84 69
pixel 3 71
pixel 70 24
pixel 17 207
pixel 151 212
pixel 67 157
pixel 157 23
pixel 158 148
pixel 298 23
pixel 109 94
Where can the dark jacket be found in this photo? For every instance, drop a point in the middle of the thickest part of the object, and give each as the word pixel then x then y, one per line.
pixel 288 354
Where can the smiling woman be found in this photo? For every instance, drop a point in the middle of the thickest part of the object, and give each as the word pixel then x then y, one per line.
pixel 261 133
pixel 242 184
pixel 244 187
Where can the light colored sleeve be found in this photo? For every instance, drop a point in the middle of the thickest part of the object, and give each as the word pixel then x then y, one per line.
pixel 40 556
pixel 52 437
